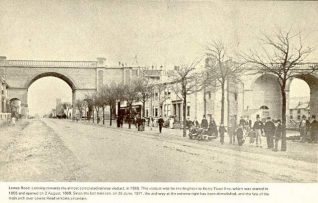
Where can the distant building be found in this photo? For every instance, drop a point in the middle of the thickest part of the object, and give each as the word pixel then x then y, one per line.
pixel 4 115
pixel 167 102
pixel 3 95
pixel 296 112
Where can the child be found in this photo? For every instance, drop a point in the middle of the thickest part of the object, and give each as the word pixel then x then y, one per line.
pixel 222 130
pixel 252 135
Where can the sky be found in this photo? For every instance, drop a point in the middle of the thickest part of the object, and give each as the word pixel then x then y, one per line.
pixel 43 93
pixel 144 32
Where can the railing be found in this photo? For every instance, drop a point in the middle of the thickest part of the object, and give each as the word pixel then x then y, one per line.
pixel 5 116
pixel 33 63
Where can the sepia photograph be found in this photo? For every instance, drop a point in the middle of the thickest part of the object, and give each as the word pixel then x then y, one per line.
pixel 158 91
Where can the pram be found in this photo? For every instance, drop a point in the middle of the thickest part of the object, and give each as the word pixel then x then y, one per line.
pixel 200 134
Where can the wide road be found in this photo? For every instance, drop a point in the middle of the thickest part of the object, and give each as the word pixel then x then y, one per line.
pixel 60 150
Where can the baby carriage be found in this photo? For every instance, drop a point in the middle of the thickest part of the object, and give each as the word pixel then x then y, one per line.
pixel 199 133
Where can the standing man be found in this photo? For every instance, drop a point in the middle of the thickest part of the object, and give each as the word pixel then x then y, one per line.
pixel 204 123
pixel 269 130
pixel 278 134
pixel 258 128
pixel 160 123
pixel 222 130
pixel 304 126
pixel 240 135
pixel 314 129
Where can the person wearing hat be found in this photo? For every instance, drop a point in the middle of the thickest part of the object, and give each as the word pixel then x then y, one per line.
pixel 204 123
pixel 313 129
pixel 277 134
pixel 258 128
pixel 160 123
pixel 269 130
pixel 304 126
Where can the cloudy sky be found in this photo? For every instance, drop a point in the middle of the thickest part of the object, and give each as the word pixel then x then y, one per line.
pixel 159 33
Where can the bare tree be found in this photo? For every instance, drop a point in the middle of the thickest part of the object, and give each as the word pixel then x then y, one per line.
pixel 144 89
pixel 67 107
pixel 98 103
pixel 221 68
pixel 186 80
pixel 281 55
pixel 163 93
pixel 88 104
pixel 110 94
pixel 130 95
pixel 79 105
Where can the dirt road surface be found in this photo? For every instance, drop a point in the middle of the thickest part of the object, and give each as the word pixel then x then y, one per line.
pixel 61 150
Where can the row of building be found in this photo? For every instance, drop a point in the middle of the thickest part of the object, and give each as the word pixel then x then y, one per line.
pixel 167 102
pixel 5 114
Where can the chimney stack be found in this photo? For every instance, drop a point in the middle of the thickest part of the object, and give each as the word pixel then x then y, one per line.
pixel 101 61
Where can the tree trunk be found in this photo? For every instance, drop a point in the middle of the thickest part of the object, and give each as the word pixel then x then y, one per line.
pixel 143 107
pixel 222 102
pixel 184 111
pixel 93 113
pixel 103 115
pixel 283 145
pixel 129 117
pixel 110 115
pixel 204 101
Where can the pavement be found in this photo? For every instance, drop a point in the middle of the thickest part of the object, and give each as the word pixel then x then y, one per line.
pixel 64 150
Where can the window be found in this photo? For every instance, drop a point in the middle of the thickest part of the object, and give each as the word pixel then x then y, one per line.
pixel 290 111
pixel 291 117
pixel 156 112
pixel 298 117
pixel 147 113
pixel 235 96
pixel 168 109
pixel 188 110
pixel 298 111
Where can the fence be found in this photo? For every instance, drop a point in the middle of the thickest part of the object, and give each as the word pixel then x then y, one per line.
pixel 5 118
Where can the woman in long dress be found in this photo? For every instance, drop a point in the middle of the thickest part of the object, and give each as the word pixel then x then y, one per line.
pixel 171 122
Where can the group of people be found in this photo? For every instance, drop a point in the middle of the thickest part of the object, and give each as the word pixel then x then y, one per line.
pixel 270 129
pixel 308 129
pixel 262 133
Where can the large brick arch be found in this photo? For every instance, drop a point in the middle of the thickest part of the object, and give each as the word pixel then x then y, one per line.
pixel 63 77
pixel 266 92
pixel 312 81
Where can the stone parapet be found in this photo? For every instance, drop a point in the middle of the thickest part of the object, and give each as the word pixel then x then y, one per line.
pixel 53 64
